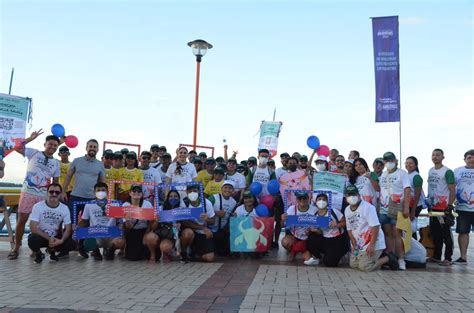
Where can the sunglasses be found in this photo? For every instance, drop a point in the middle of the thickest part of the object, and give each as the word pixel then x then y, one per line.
pixel 54 192
pixel 339 161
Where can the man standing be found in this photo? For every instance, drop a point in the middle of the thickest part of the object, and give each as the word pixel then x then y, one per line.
pixel 378 169
pixel 441 196
pixel 64 167
pixel 155 159
pixel 87 171
pixel 163 168
pixel 150 175
pixel 395 194
pixel 464 176
pixel 283 169
pixel 332 160
pixel 42 168
pixel 262 173
pixel 235 177
pixel 205 175
pixel 46 219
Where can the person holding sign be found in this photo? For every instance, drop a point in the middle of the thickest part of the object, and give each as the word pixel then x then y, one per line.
pixel 224 205
pixel 94 215
pixel 262 173
pixel 196 234
pixel 135 229
pixel 161 234
pixel 47 217
pixel 181 171
pixel 332 241
pixel 248 207
pixel 367 239
pixel 295 241
pixel 130 172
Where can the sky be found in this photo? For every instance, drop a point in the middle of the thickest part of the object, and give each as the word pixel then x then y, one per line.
pixel 122 71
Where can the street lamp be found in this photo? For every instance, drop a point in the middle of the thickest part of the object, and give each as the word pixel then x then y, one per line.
pixel 199 48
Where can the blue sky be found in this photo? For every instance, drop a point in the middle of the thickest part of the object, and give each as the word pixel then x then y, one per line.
pixel 121 71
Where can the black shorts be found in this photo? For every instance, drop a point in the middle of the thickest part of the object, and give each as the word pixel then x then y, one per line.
pixel 202 245
pixel 464 222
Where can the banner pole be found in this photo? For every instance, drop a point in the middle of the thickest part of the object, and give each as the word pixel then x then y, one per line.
pixel 11 81
pixel 400 137
pixel 274 113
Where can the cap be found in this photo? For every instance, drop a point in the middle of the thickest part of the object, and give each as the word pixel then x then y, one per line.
pixel 135 187
pixel 154 147
pixel 263 151
pixel 349 161
pixel 108 153
pixel 144 152
pixel 301 194
pixel 163 148
pixel 220 159
pixel 378 160
pixel 118 155
pixel 210 161
pixel 271 162
pixel 232 160
pixel 202 154
pixel 252 159
pixel 240 168
pixel 191 187
pixel 192 152
pixel 351 190
pixel 322 195
pixel 248 194
pixel 166 155
pixel 321 158
pixel 131 154
pixel 124 151
pixel 285 155
pixel 219 170
pixel 389 156
pixel 63 149
pixel 196 160
pixel 304 158
pixel 228 182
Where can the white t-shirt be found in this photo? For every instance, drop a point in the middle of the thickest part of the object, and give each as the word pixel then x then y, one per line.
pixel 332 232
pixel 360 221
pixel 392 186
pixel 411 176
pixel 139 224
pixel 464 188
pixel 151 175
pixel 262 175
pixel 438 191
pixel 241 211
pixel 279 172
pixel 49 218
pixel 227 205
pixel 300 232
pixel 162 173
pixel 238 180
pixel 39 172
pixel 97 216
pixel 188 173
pixel 366 189
pixel 209 211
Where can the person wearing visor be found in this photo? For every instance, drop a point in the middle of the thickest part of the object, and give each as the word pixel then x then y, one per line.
pixel 135 229
pixel 365 234
pixel 295 240
pixel 196 234
pixel 332 242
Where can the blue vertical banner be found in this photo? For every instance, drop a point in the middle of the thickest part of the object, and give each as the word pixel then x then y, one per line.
pixel 387 69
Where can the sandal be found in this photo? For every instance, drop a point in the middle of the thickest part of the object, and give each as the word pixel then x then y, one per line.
pixel 13 255
pixel 445 263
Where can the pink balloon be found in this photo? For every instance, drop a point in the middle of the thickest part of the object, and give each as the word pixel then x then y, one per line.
pixel 268 201
pixel 323 150
pixel 71 141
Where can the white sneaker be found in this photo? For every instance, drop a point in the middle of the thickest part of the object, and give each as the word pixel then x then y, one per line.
pixel 311 261
pixel 401 265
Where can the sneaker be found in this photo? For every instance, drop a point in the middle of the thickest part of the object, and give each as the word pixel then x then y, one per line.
pixel 460 261
pixel 53 257
pixel 97 255
pixel 82 252
pixel 393 261
pixel 39 256
pixel 401 265
pixel 109 254
pixel 311 261
pixel 63 255
pixel 184 257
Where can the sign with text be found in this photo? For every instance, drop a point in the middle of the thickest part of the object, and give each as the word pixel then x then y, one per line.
pixel 14 115
pixel 97 232
pixel 336 183
pixel 185 211
pixel 269 132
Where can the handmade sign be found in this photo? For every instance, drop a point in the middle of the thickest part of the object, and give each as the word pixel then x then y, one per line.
pixel 251 234
pixel 306 219
pixel 333 182
pixel 183 212
pixel 130 212
pixel 269 132
pixel 297 180
pixel 15 113
pixel 93 231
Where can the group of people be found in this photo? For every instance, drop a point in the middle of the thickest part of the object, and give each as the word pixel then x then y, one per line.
pixel 365 226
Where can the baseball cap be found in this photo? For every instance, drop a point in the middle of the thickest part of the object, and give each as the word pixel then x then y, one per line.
pixel 219 170
pixel 131 154
pixel 285 155
pixel 220 159
pixel 240 168
pixel 108 153
pixel 203 154
pixel 321 158
pixel 144 152
pixel 63 149
pixel 252 159
pixel 378 160
pixel 163 148
pixel 228 182
pixel 248 194
pixel 303 158
pixel 196 160
pixel 389 156
pixel 352 190
pixel 271 162
pixel 210 161
pixel 263 151
pixel 232 160
pixel 192 187
pixel 124 151
pixel 118 155
pixel 192 152
pixel 166 155
pixel 136 187
pixel 154 147
pixel 301 194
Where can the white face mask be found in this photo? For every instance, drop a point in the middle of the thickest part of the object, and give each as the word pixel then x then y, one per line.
pixel 101 195
pixel 263 160
pixel 193 196
pixel 321 167
pixel 390 165
pixel 321 204
pixel 352 200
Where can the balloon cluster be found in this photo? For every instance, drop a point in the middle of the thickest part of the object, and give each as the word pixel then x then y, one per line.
pixel 313 143
pixel 266 201
pixel 58 130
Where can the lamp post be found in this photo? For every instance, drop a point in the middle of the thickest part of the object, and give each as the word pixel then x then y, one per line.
pixel 199 48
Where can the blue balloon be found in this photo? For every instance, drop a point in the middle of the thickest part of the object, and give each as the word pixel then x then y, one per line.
pixel 256 188
pixel 262 210
pixel 58 130
pixel 313 142
pixel 273 187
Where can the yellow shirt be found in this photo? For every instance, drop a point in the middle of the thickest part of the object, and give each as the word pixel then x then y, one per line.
pixel 134 175
pixel 204 177
pixel 213 187
pixel 111 174
pixel 64 168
